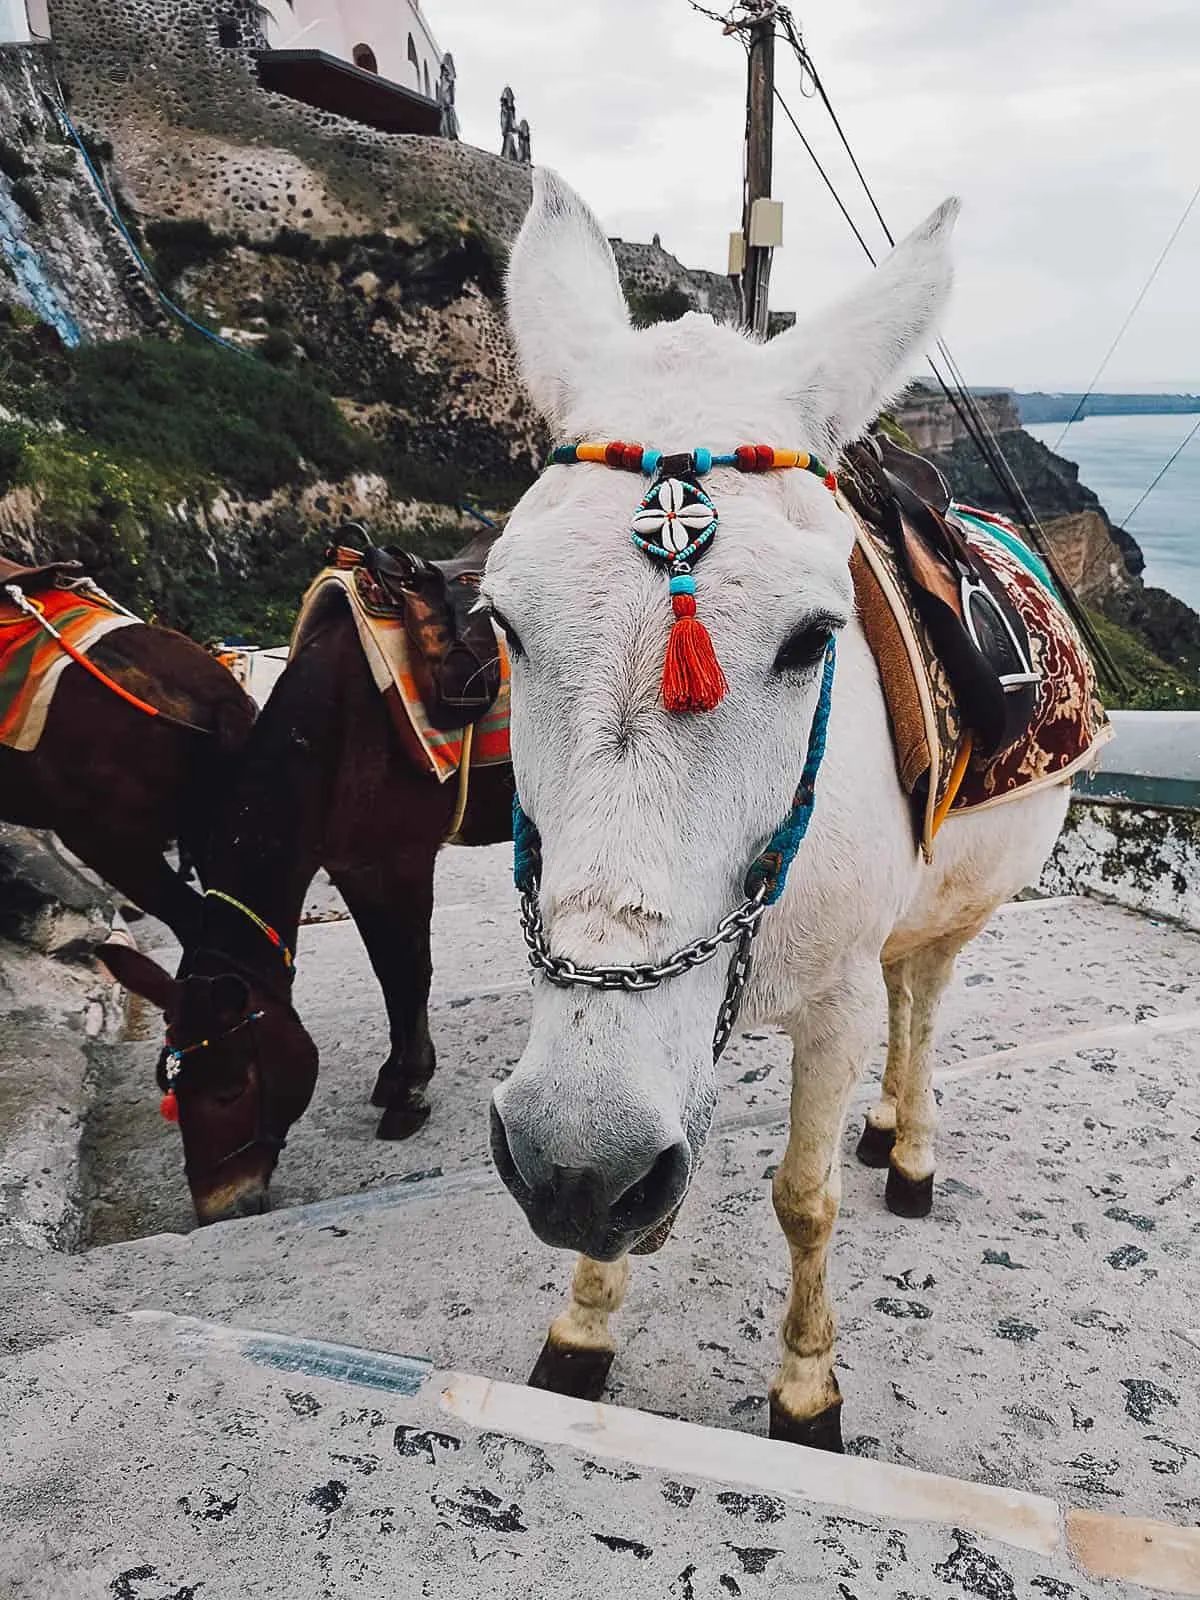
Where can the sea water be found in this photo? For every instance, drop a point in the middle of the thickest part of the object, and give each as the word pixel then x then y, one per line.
pixel 1118 457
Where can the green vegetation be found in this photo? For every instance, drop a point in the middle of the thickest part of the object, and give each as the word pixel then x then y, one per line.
pixel 176 246
pixel 892 430
pixel 141 450
pixel 200 413
pixel 1153 684
pixel 647 306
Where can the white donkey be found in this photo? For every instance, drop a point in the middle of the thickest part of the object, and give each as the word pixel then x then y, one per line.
pixel 648 821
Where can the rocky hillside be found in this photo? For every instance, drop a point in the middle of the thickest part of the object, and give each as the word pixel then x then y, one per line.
pixel 150 192
pixel 1154 636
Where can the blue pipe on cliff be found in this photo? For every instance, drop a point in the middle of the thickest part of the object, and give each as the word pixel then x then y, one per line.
pixel 110 205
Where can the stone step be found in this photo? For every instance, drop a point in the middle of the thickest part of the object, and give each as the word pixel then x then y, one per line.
pixel 310 1469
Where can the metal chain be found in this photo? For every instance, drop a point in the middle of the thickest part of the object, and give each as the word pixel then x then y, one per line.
pixel 738 928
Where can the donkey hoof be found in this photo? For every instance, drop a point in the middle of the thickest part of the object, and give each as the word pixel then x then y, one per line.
pixel 404 1118
pixel 582 1374
pixel 875 1146
pixel 908 1197
pixel 822 1432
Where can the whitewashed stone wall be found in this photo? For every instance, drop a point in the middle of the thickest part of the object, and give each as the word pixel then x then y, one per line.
pixel 1144 858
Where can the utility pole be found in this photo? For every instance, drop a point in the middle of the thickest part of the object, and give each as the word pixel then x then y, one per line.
pixel 761 217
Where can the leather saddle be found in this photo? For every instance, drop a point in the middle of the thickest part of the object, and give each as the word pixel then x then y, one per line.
pixel 981 640
pixel 454 657
pixel 31 579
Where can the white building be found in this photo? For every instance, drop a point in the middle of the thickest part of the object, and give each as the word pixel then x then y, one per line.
pixel 390 37
pixel 23 20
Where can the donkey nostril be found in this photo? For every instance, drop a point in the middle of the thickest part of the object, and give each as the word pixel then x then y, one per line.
pixel 502 1156
pixel 657 1192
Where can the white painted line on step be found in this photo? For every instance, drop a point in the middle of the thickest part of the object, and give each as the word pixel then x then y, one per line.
pixel 1158 1555
pixel 1069 1043
pixel 1150 1554
pixel 493 991
pixel 854 1483
pixel 1048 903
pixel 1059 1045
pixel 315 1358
pixel 405 1192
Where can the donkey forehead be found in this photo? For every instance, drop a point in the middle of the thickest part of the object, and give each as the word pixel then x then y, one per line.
pixel 782 548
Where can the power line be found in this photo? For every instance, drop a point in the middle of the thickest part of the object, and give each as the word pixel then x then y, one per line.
pixel 1161 474
pixel 963 402
pixel 1133 310
pixel 826 178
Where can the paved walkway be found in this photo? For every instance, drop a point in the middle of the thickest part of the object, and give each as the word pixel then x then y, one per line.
pixel 1036 1337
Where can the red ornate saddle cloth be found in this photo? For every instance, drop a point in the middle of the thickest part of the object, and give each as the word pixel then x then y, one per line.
pixel 387 647
pixel 32 662
pixel 933 747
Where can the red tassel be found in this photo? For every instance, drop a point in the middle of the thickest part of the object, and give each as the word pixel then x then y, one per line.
pixel 692 676
pixel 169 1107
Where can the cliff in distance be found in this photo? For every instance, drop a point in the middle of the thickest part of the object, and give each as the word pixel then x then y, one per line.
pixel 1155 636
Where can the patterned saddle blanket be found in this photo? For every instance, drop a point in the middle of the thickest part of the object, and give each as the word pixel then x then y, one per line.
pixel 934 749
pixel 385 641
pixel 32 662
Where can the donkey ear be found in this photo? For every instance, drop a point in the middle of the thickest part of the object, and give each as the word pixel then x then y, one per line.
pixel 139 974
pixel 565 305
pixel 841 369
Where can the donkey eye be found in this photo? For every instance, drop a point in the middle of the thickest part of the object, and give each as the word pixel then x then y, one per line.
pixel 804 647
pixel 511 637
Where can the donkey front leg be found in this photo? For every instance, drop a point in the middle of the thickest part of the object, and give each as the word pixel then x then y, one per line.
pixel 579 1348
pixel 828 1051
pixel 393 914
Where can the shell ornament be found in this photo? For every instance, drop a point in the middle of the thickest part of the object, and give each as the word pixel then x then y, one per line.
pixel 675 522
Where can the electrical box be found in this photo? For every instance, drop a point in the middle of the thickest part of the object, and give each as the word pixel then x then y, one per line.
pixel 766 224
pixel 737 255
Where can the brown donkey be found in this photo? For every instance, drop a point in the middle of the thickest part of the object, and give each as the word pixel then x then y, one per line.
pixel 119 786
pixel 324 781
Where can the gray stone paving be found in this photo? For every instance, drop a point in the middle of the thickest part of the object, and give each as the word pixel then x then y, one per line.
pixel 1031 1333
pixel 236 1482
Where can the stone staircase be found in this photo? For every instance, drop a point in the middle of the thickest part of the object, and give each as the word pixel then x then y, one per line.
pixel 363 1430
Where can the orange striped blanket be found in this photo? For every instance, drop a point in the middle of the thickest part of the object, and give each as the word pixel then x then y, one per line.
pixel 386 646
pixel 32 663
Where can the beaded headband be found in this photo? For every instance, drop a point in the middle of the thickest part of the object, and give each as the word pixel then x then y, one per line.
pixel 674 525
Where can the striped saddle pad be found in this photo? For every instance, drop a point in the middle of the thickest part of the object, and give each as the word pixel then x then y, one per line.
pixel 32 663
pixel 1068 726
pixel 386 645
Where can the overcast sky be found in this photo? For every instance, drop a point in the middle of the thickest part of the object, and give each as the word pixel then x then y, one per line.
pixel 1071 129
